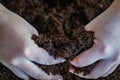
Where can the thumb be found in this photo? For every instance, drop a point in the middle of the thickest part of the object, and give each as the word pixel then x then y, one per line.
pixel 87 57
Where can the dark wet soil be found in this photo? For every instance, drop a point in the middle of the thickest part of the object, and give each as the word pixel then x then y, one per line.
pixel 60 24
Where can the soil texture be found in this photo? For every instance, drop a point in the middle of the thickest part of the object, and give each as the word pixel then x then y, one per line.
pixel 60 24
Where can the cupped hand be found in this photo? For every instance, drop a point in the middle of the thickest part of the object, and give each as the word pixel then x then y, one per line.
pixel 18 51
pixel 106 48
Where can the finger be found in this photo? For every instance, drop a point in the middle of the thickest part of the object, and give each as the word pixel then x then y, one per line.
pixel 17 72
pixel 33 70
pixel 32 29
pixel 72 70
pixel 26 25
pixel 110 70
pixel 41 56
pixel 101 68
pixel 88 57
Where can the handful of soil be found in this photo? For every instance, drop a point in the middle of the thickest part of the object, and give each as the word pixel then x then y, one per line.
pixel 64 46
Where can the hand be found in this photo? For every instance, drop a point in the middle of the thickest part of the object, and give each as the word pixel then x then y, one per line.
pixel 18 50
pixel 106 48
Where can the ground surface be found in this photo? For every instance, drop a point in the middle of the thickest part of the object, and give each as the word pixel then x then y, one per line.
pixel 61 27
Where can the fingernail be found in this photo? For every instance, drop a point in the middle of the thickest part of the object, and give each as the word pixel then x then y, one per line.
pixel 62 60
pixel 71 70
pixel 74 63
